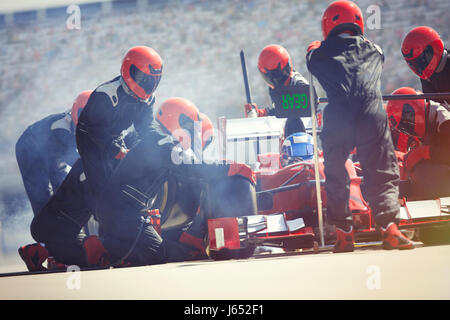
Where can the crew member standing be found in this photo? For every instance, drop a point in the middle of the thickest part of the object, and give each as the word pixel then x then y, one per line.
pixel 348 67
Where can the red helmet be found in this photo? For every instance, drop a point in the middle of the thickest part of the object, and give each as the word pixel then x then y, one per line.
pixel 406 117
pixel 177 116
pixel 78 105
pixel 141 71
pixel 422 49
pixel 274 63
pixel 342 16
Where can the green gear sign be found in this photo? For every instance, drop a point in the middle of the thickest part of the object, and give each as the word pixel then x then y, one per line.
pixel 295 101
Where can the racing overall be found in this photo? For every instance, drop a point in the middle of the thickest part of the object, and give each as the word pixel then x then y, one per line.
pixel 45 152
pixel 60 222
pixel 349 70
pixel 431 178
pixel 132 188
pixel 293 124
pixel 109 111
pixel 439 82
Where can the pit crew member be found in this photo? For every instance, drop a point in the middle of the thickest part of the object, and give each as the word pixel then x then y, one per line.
pixel 348 66
pixel 167 150
pixel 427 160
pixel 46 151
pixel 113 107
pixel 424 52
pixel 275 66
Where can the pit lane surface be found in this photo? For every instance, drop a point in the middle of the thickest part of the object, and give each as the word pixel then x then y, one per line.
pixel 372 273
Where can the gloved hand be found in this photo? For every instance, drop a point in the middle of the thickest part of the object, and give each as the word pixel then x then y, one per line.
pixel 242 170
pixel 121 154
pixel 313 45
pixel 414 142
pixel 400 155
pixel 413 157
pixel 250 106
pixel 153 217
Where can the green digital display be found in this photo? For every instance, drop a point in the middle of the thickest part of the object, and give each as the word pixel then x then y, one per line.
pixel 294 101
pixel 291 102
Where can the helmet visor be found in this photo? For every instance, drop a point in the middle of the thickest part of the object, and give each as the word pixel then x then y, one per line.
pixel 148 82
pixel 407 123
pixel 420 63
pixel 187 124
pixel 302 150
pixel 277 76
pixel 298 147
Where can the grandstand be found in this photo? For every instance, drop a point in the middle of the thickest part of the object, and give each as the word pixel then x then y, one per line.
pixel 44 65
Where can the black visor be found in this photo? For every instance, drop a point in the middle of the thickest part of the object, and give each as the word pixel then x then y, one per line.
pixel 277 76
pixel 420 63
pixel 187 124
pixel 148 82
pixel 407 122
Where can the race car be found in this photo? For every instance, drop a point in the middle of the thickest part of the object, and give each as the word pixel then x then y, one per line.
pixel 287 203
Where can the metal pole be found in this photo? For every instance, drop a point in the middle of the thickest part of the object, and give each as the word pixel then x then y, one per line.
pixel 428 96
pixel 244 73
pixel 252 113
pixel 222 137
pixel 313 103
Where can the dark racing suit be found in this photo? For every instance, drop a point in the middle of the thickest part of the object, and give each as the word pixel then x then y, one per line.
pixel 439 82
pixel 100 137
pixel 349 70
pixel 60 222
pixel 293 124
pixel 109 111
pixel 431 178
pixel 133 185
pixel 45 152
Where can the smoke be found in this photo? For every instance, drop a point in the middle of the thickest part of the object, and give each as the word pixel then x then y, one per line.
pixel 15 219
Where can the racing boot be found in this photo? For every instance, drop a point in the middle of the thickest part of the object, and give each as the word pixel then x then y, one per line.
pixel 394 239
pixel 345 240
pixel 196 246
pixel 96 254
pixel 193 238
pixel 34 255
pixel 53 264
